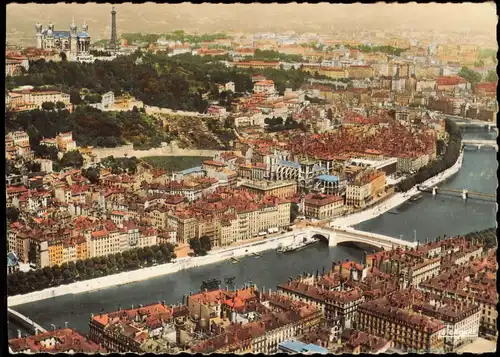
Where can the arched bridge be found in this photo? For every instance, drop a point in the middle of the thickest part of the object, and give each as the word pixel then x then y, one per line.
pixel 336 235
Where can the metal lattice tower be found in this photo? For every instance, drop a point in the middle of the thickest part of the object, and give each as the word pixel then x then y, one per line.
pixel 112 41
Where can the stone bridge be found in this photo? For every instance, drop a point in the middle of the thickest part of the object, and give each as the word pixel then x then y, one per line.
pixel 336 235
pixel 24 321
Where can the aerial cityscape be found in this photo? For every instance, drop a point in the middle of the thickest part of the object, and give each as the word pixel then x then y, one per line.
pixel 189 178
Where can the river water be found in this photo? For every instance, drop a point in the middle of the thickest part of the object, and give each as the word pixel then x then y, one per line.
pixel 429 216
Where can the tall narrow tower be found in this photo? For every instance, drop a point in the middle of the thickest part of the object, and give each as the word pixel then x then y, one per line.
pixel 73 41
pixel 112 41
pixel 38 28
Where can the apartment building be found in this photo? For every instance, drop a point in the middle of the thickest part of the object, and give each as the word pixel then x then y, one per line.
pixel 67 250
pixel 281 189
pixel 39 97
pixel 411 163
pixel 57 341
pixel 265 87
pixel 127 330
pixel 320 206
pixel 256 64
pixel 229 215
pixel 334 304
pixel 366 187
pixel 408 331
pixel 360 72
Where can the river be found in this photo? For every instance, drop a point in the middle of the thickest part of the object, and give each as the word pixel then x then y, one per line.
pixel 429 217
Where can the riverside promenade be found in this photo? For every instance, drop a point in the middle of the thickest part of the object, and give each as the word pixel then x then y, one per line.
pixel 397 199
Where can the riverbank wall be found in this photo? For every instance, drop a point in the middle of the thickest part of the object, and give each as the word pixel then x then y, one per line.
pixel 212 257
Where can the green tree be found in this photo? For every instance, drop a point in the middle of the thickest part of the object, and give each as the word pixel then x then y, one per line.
pixel 294 212
pixel 12 214
pixel 72 158
pixel 491 76
pixel 93 98
pixel 74 97
pixel 205 243
pixel 469 75
pixel 48 106
pixel 92 174
pixel 195 245
pixel 329 114
pixel 60 105
pixel 479 63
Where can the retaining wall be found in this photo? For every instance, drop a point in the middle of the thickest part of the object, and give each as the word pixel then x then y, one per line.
pixel 168 150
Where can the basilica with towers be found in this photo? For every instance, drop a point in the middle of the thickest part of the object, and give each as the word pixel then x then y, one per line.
pixel 72 42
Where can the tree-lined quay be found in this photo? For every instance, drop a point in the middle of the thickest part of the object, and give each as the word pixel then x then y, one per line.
pixel 67 273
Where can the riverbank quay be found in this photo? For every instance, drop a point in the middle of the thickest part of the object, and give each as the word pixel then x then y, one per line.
pixel 151 272
pixel 397 199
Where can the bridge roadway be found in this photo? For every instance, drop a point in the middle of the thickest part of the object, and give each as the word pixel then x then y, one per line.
pixel 479 143
pixel 451 190
pixel 475 123
pixel 25 321
pixel 463 121
pixel 336 235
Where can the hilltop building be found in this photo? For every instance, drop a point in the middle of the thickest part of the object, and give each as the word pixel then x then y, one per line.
pixel 72 42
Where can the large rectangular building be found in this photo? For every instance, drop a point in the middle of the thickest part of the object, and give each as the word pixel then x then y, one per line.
pixel 281 189
pixel 409 331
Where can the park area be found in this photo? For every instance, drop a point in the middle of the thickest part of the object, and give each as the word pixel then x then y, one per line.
pixel 175 163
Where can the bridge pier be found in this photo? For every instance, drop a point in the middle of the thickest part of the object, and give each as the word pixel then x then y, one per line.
pixel 332 239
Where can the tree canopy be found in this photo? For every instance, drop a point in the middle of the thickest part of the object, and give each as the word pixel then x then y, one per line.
pixel 90 127
pixel 176 82
pixel 491 76
pixel 200 246
pixel 469 75
pixel 25 282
